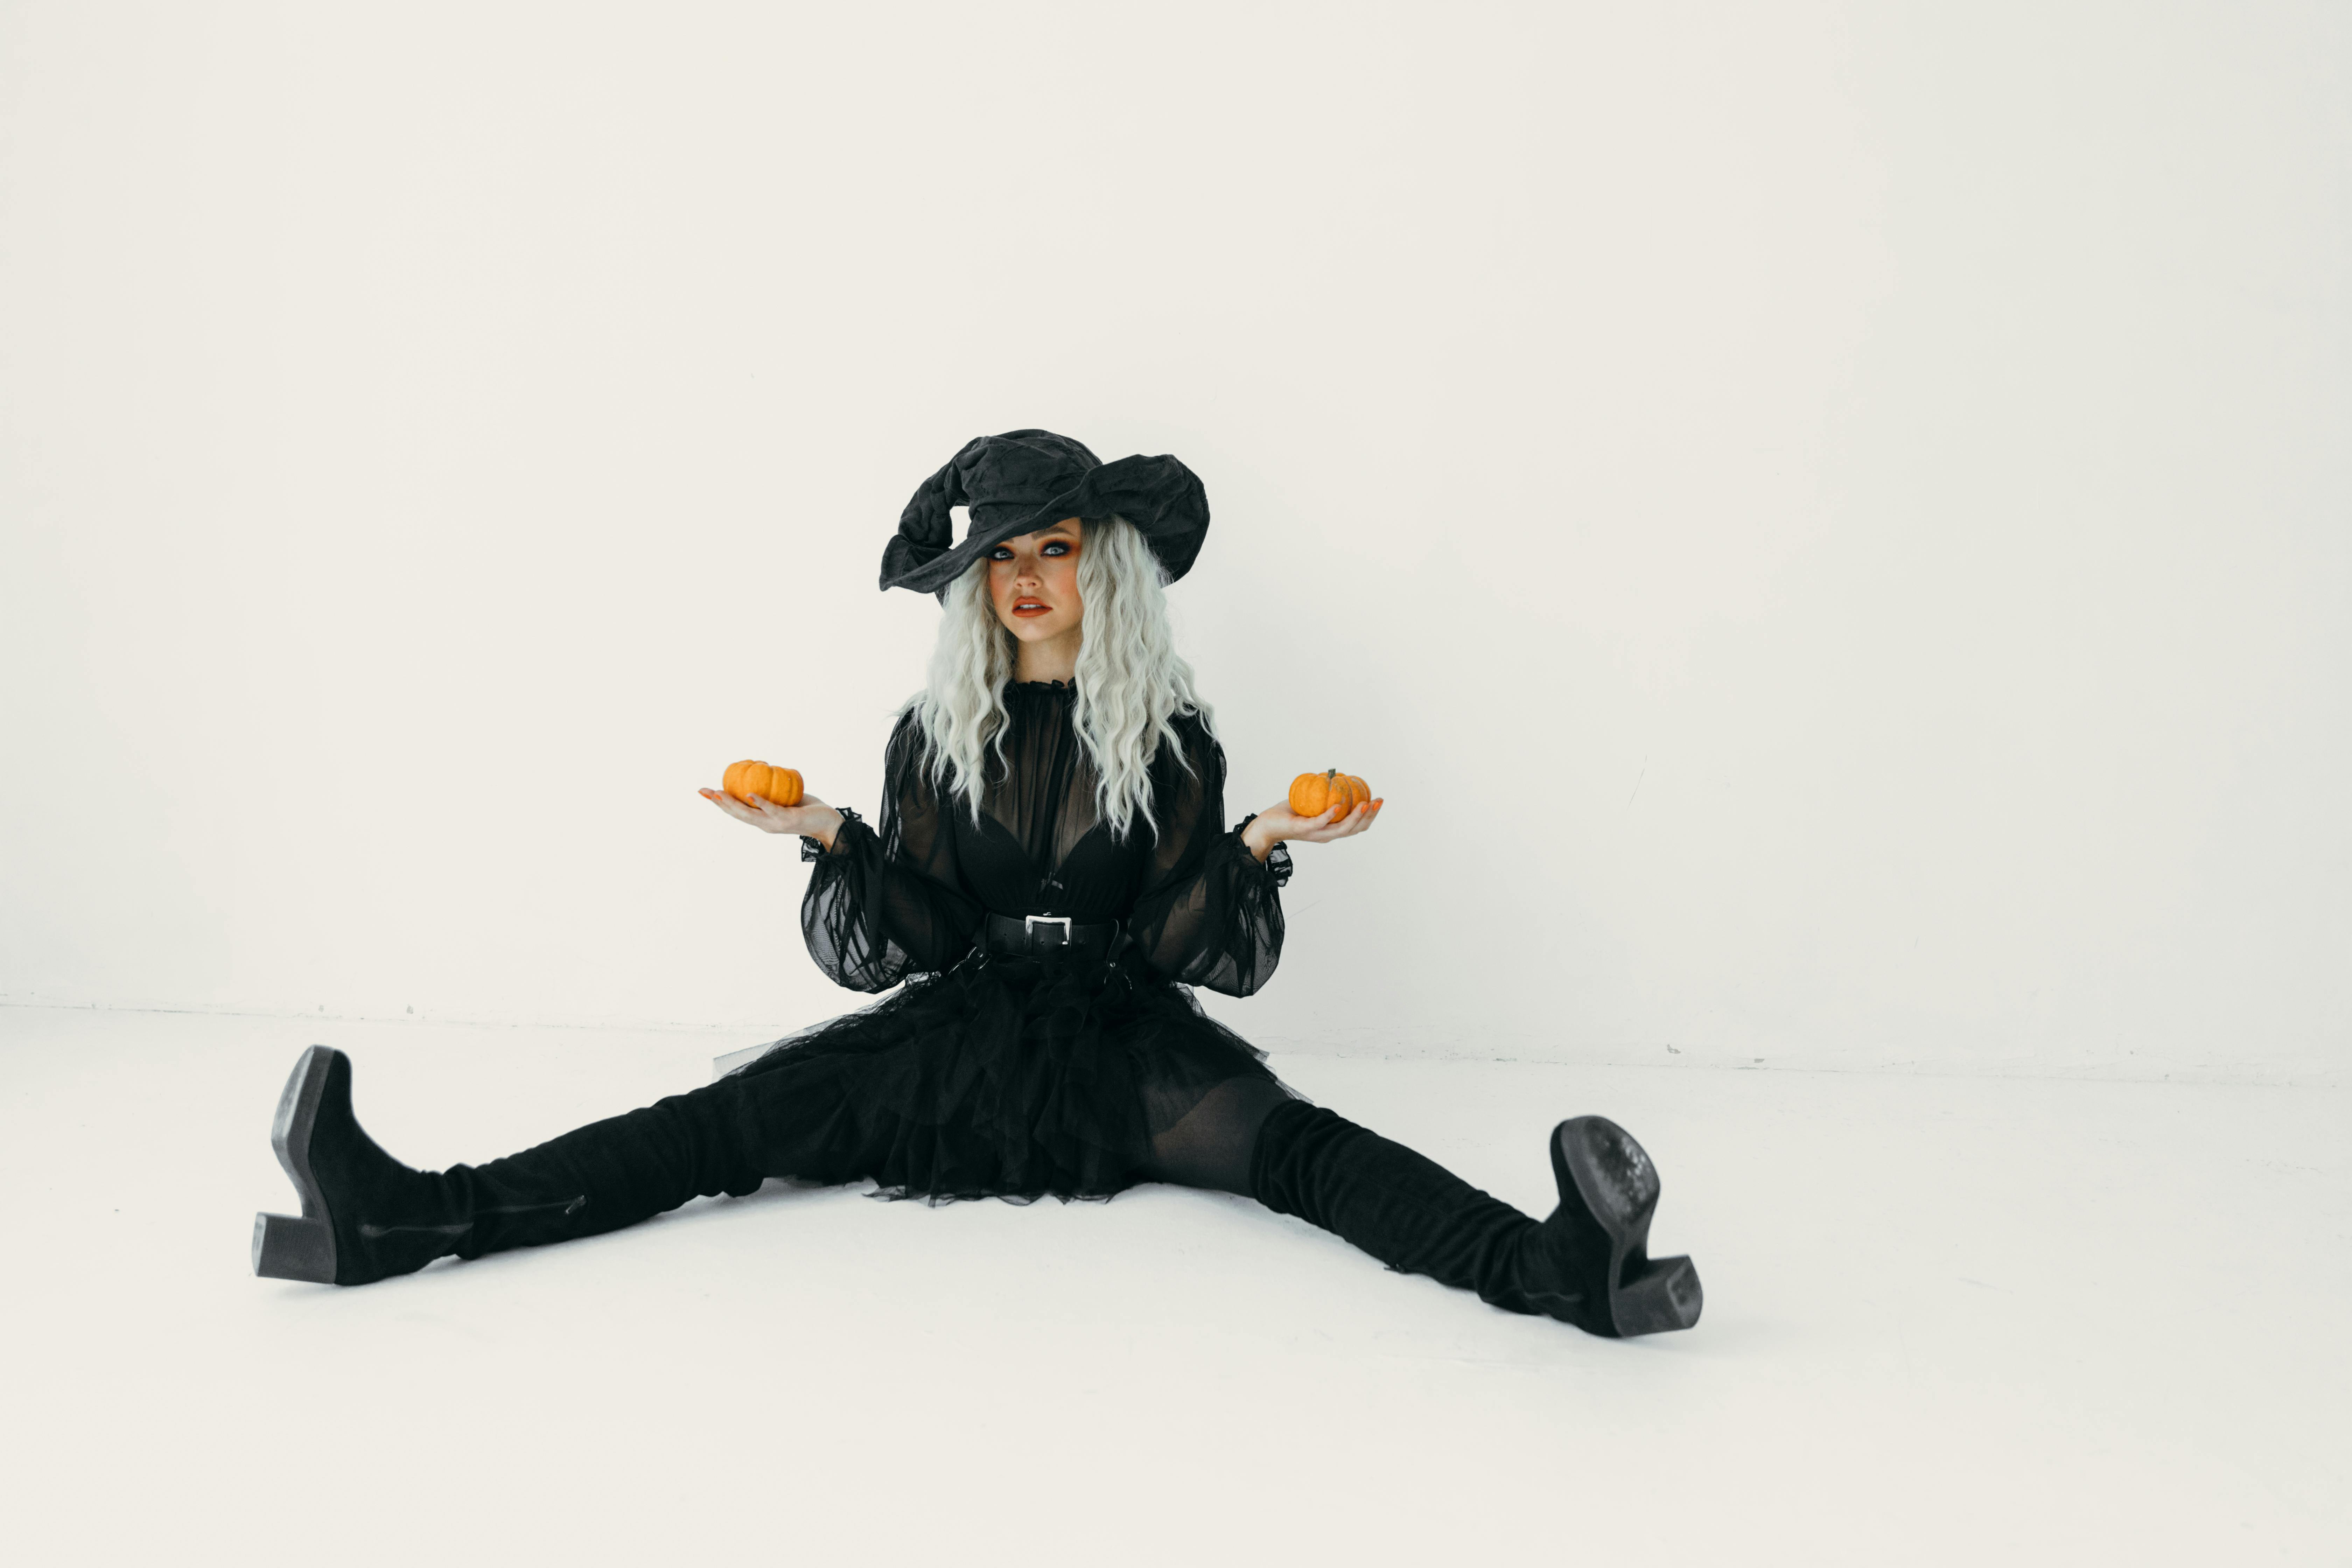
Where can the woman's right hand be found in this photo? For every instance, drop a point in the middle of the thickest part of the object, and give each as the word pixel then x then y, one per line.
pixel 810 820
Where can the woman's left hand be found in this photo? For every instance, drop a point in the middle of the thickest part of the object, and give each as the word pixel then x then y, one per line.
pixel 1278 821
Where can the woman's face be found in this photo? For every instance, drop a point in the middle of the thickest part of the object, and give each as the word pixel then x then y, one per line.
pixel 1032 581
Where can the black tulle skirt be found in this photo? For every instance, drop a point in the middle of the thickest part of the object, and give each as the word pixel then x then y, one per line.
pixel 1009 1078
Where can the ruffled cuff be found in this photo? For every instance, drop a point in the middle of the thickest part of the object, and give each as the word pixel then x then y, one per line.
pixel 1278 859
pixel 814 849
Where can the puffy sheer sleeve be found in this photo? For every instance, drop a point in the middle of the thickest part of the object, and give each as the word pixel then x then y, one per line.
pixel 1210 912
pixel 884 905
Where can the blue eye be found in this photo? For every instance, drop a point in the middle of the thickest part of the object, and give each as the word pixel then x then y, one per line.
pixel 1054 547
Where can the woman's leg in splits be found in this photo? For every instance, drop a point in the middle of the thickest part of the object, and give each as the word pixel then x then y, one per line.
pixel 1586 1263
pixel 366 1216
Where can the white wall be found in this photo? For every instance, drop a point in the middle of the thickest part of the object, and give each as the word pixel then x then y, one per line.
pixel 1829 526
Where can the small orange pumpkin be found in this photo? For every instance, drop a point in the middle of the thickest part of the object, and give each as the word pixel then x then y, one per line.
pixel 747 782
pixel 1311 795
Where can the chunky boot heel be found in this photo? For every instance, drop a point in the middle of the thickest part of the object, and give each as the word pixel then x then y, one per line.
pixel 1666 1297
pixel 287 1248
pixel 1603 1172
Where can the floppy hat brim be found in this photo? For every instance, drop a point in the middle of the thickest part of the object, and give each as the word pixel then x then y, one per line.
pixel 1162 498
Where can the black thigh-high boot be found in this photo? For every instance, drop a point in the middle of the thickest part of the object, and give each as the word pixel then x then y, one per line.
pixel 1587 1264
pixel 366 1216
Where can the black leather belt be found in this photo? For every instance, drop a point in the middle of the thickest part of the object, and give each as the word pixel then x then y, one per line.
pixel 1034 936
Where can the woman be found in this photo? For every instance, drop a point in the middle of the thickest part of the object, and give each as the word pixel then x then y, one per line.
pixel 1049 877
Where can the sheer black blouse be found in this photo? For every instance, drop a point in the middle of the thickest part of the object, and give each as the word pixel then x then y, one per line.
pixel 909 899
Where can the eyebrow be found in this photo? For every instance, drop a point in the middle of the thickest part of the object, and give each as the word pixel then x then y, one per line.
pixel 1046 536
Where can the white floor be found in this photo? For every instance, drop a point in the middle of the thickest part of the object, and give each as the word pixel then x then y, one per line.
pixel 1948 1320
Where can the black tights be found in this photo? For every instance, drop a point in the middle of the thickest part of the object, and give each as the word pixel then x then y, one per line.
pixel 1211 1147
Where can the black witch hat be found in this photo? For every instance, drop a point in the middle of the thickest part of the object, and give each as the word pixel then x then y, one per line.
pixel 1026 479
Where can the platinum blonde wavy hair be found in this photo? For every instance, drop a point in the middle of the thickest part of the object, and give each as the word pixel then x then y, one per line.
pixel 1131 682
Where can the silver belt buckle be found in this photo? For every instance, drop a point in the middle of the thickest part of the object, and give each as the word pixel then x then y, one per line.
pixel 1031 923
